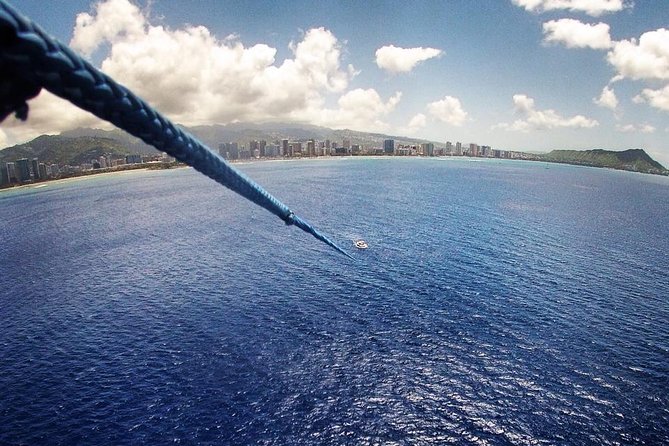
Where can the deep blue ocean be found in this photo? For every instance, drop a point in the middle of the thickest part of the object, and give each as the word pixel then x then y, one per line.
pixel 499 303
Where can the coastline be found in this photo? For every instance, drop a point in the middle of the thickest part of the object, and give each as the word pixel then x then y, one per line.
pixel 145 167
pixel 55 181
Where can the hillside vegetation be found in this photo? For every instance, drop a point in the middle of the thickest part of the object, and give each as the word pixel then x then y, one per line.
pixel 62 150
pixel 81 145
pixel 636 160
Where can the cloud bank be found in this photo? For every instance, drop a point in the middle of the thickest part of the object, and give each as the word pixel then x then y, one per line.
pixel 594 8
pixel 195 78
pixel 223 81
pixel 533 119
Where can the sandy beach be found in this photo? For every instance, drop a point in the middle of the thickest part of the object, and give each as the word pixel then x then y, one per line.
pixel 47 183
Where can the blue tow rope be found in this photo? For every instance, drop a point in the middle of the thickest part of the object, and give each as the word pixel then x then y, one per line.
pixel 30 60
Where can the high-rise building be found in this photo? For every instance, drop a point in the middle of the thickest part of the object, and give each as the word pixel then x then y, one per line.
pixel 427 148
pixel 4 176
pixel 244 154
pixel 473 149
pixel 229 150
pixel 11 173
pixel 42 171
pixel 35 168
pixel 131 159
pixel 253 146
pixel 458 148
pixel 311 148
pixel 23 170
pixel 272 150
pixel 389 146
pixel 284 147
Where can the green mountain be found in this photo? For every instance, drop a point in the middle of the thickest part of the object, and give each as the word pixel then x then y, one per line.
pixel 636 160
pixel 135 145
pixel 213 135
pixel 65 150
pixel 81 145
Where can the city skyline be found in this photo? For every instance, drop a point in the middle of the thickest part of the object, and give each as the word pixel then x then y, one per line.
pixel 21 171
pixel 519 74
pixel 18 171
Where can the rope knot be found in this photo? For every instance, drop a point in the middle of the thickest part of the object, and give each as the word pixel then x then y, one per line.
pixel 289 218
pixel 15 88
pixel 14 94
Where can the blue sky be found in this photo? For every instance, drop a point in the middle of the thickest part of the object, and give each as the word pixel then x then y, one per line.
pixel 515 74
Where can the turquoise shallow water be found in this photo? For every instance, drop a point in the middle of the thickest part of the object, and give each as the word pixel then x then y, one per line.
pixel 499 303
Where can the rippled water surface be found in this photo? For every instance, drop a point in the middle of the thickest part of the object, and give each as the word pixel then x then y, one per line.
pixel 499 303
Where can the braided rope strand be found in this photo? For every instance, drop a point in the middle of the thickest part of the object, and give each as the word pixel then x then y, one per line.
pixel 43 60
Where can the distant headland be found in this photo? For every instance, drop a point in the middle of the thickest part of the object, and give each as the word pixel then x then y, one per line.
pixel 89 151
pixel 635 160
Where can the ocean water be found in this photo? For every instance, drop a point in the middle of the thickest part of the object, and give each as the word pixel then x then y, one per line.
pixel 499 303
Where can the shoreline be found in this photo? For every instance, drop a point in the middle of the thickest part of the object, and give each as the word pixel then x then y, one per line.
pixel 159 167
pixel 84 177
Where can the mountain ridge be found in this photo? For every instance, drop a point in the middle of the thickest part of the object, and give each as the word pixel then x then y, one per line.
pixel 80 145
pixel 62 150
pixel 210 135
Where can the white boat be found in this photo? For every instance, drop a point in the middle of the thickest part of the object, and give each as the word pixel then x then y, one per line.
pixel 361 244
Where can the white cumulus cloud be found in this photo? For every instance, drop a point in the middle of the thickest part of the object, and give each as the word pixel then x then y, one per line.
pixel 591 7
pixel 222 81
pixel 196 78
pixel 417 122
pixel 48 114
pixel 402 60
pixel 607 98
pixel 114 20
pixel 533 119
pixel 448 110
pixel 576 34
pixel 656 98
pixel 358 109
pixel 647 58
